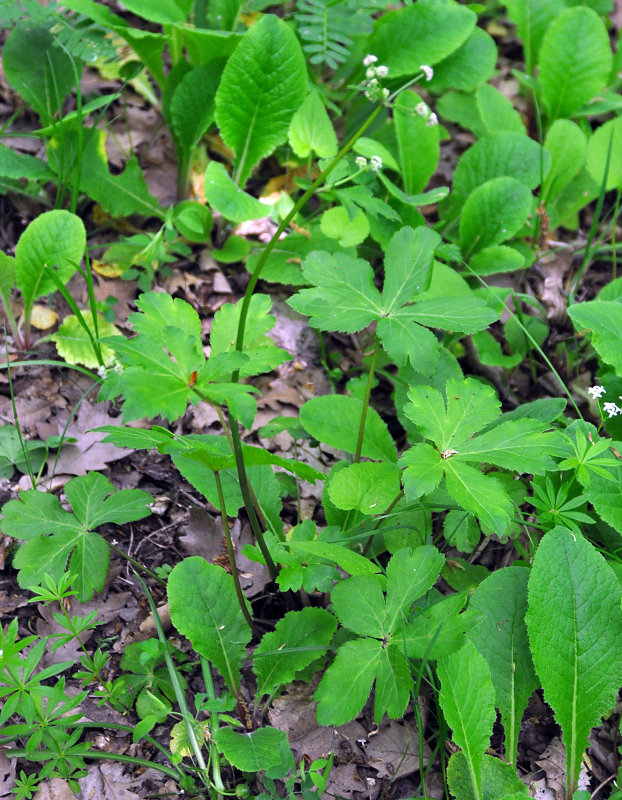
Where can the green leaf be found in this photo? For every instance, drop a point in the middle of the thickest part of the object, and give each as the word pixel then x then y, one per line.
pixel 461 530
pixel 204 608
pixel 55 239
pixel 439 630
pixel 495 259
pixel 359 605
pixel 346 298
pixel 472 64
pixel 348 560
pixel 409 576
pixel 499 780
pixel 54 536
pixel 504 154
pixel 335 419
pixel 75 347
pixel 574 619
pixel 520 445
pixel 424 33
pixel 336 223
pixel 575 61
pixel 418 143
pixel 493 213
pixel 38 68
pixel 311 129
pixel 262 354
pixel 262 86
pixel 606 496
pixel 424 470
pixel 501 637
pixel 228 199
pixel 21 165
pixel 598 154
pixel 496 112
pixel 467 698
pixel 532 18
pixel 192 106
pixel 298 640
pixel 165 12
pixel 408 265
pixel 604 319
pixel 368 487
pixel 482 495
pixel 447 313
pixel 252 752
pixel 404 340
pixel 566 143
pixel 347 682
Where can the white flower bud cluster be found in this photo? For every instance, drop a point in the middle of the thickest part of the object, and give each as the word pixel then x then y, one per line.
pixel 374 73
pixel 427 71
pixel 424 110
pixel 374 164
pixel 612 409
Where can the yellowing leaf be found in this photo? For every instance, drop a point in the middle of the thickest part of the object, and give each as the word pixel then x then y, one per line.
pixel 106 270
pixel 42 317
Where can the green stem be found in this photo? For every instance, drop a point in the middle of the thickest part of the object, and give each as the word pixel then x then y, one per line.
pixel 233 566
pixel 137 564
pixel 614 252
pixel 370 380
pixel 23 752
pixel 214 726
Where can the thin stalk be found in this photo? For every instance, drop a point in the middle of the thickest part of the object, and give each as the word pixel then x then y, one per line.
pixel 593 227
pixel 137 564
pixel 177 687
pixel 22 444
pixel 46 362
pixel 536 232
pixel 233 566
pixel 24 752
pixel 214 726
pixel 392 505
pixel 614 252
pixel 200 14
pixel 370 380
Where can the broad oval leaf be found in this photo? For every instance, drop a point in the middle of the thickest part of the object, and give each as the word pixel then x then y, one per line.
pixel 598 154
pixel 574 622
pixel 368 487
pixel 501 637
pixel 423 33
pixel 54 239
pixel 604 319
pixel 494 213
pixel 262 86
pixel 204 608
pixel 227 198
pixel 575 61
pixel 311 129
pixel 251 752
pixel 566 143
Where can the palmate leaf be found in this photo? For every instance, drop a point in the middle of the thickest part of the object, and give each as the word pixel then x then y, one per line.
pixel 379 657
pixel 523 445
pixel 53 536
pixel 345 298
pixel 164 367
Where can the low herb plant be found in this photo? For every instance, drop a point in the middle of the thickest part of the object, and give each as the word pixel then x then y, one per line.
pixel 364 610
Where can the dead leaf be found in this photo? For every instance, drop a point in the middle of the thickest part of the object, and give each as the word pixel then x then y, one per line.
pixel 109 782
pixel 55 789
pixel 203 535
pixel 89 452
pixel 42 317
pixel 7 775
pixel 553 762
pixel 148 626
pixel 106 270
pixel 394 751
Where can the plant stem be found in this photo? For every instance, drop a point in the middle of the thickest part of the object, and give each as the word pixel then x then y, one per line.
pixel 23 752
pixel 370 380
pixel 137 564
pixel 214 725
pixel 233 566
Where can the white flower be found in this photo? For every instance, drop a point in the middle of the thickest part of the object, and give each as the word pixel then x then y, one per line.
pixel 596 391
pixel 432 120
pixel 370 72
pixel 102 372
pixel 427 71
pixel 375 163
pixel 385 93
pixel 422 109
pixel 382 71
pixel 369 60
pixel 612 409
pixel 361 162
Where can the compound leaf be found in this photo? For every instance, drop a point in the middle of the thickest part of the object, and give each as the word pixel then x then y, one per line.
pixel 298 640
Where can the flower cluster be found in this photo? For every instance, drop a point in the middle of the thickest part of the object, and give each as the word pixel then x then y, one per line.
pixel 373 75
pixel 424 110
pixel 374 163
pixel 612 409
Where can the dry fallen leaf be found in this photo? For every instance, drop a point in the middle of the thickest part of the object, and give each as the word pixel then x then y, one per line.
pixel 109 782
pixel 55 789
pixel 7 775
